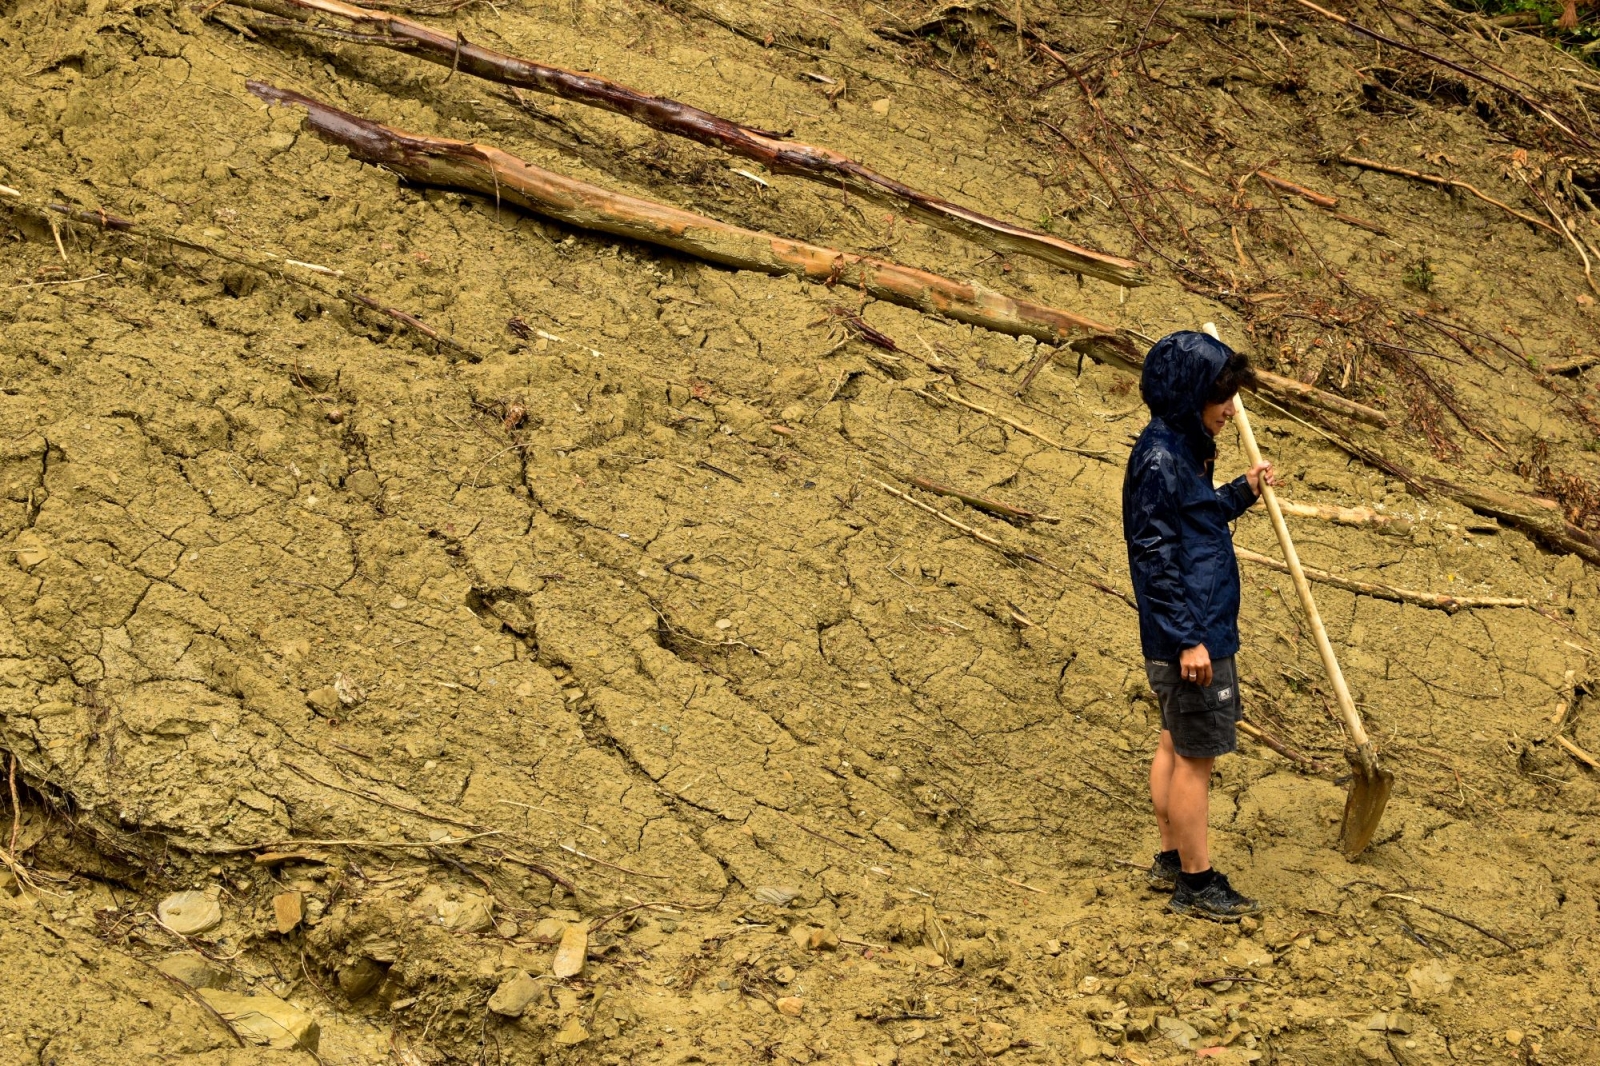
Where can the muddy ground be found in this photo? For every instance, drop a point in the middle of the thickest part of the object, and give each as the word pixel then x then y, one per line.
pixel 616 631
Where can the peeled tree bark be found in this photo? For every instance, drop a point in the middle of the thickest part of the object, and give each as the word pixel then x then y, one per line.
pixel 483 169
pixel 781 156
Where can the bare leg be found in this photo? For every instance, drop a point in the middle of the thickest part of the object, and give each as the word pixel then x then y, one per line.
pixel 1160 787
pixel 1188 811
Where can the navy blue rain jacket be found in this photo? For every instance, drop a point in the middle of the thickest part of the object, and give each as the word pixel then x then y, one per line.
pixel 1180 549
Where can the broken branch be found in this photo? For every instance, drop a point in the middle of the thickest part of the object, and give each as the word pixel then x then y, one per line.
pixel 487 170
pixel 982 503
pixel 1437 601
pixel 671 116
pixel 1447 183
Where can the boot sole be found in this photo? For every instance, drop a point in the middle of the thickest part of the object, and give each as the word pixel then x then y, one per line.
pixel 1210 916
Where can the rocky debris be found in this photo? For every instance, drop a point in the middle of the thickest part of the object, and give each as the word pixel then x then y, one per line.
pixel 190 912
pixel 455 910
pixel 783 974
pixel 791 1005
pixel 266 1020
pixel 571 952
pixel 194 970
pixel 514 994
pixel 288 908
pixel 815 938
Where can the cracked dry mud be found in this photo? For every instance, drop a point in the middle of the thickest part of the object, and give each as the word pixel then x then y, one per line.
pixel 617 619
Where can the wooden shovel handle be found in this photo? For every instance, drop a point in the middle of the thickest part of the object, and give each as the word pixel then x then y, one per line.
pixel 1347 706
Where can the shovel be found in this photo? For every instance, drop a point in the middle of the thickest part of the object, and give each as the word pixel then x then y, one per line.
pixel 1370 784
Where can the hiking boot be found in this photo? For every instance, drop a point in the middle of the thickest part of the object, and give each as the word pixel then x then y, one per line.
pixel 1217 902
pixel 1163 873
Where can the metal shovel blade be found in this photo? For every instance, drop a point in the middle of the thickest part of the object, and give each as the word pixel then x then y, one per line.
pixel 1370 786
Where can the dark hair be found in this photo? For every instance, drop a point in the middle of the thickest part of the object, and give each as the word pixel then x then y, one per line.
pixel 1236 374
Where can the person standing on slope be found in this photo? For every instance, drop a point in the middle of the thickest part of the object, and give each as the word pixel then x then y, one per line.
pixel 1186 582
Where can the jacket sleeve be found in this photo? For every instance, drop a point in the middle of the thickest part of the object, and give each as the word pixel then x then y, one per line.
pixel 1236 497
pixel 1153 554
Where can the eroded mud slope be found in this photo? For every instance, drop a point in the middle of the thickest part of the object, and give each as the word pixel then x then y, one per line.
pixel 618 631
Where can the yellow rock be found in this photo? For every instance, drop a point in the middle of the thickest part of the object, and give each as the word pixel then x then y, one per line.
pixel 571 952
pixel 571 1033
pixel 289 908
pixel 791 1005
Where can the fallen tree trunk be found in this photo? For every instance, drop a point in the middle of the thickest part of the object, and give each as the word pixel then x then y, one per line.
pixel 1539 518
pixel 1120 353
pixel 670 116
pixel 1438 601
pixel 483 169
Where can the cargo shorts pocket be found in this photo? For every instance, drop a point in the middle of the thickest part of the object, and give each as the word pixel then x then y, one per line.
pixel 1221 695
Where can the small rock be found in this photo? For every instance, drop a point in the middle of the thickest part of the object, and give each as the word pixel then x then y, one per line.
pixel 1325 936
pixel 822 940
pixel 349 693
pixel 783 974
pixel 194 970
pixel 514 995
pixel 1514 1036
pixel 791 1005
pixel 188 913
pixel 266 1019
pixel 1052 947
pixel 777 895
pixel 724 624
pixel 571 952
pixel 1431 980
pixel 288 908
pixel 880 107
pixel 994 1037
pixel 360 978
pixel 1248 925
pixel 1089 985
pixel 324 699
pixel 571 1033
pixel 363 483
pixel 1178 1031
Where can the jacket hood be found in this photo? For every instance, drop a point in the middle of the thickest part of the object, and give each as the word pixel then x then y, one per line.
pixel 1178 374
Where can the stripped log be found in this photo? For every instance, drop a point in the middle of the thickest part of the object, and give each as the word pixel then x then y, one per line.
pixel 1437 601
pixel 487 170
pixel 671 116
pixel 1120 353
pixel 1359 517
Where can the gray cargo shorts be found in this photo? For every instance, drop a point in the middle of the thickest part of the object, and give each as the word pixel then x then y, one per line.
pixel 1202 721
